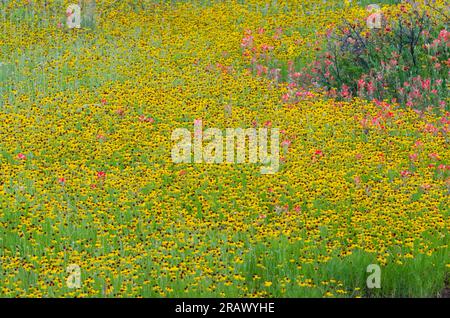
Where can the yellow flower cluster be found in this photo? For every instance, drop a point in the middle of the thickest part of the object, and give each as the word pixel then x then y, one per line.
pixel 86 175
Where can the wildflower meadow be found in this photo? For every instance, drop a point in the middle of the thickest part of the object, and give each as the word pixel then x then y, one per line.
pixel 238 148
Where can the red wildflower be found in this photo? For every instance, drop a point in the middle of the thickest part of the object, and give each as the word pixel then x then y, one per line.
pixel 101 175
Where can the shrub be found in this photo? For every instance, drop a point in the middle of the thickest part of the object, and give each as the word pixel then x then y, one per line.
pixel 404 59
pixel 400 54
